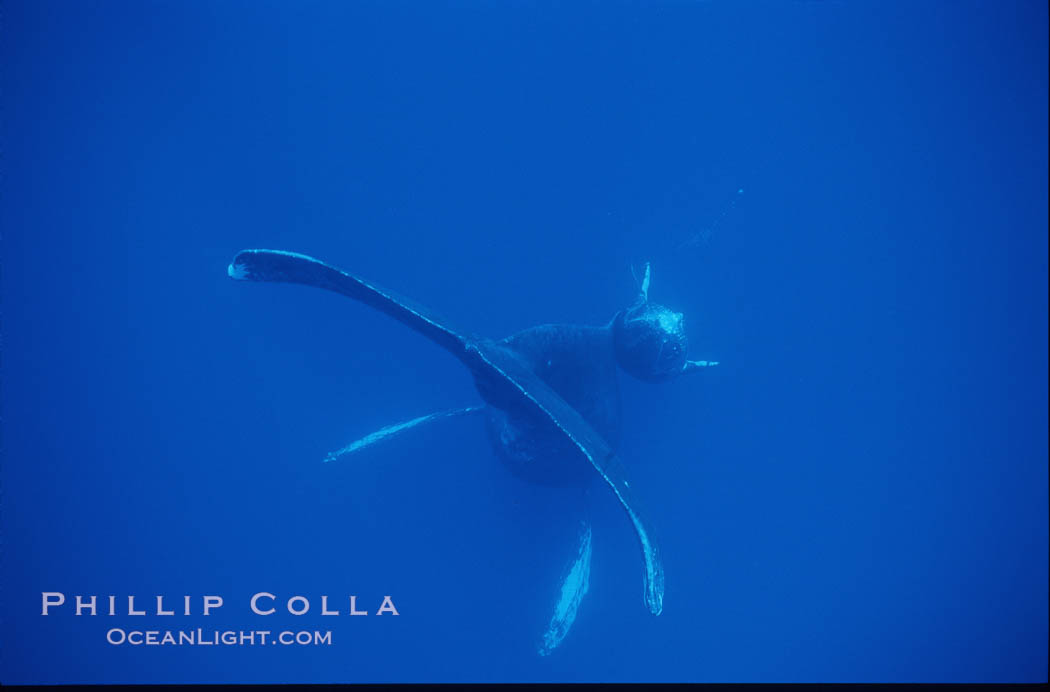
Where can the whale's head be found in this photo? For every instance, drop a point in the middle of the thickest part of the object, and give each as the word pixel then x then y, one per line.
pixel 650 341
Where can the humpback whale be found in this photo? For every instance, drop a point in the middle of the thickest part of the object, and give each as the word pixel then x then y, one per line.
pixel 550 392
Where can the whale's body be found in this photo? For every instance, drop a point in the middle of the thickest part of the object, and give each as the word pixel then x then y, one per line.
pixel 578 364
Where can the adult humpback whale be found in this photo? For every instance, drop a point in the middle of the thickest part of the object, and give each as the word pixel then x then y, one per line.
pixel 551 394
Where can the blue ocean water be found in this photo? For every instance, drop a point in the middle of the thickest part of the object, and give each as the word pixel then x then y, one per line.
pixel 848 201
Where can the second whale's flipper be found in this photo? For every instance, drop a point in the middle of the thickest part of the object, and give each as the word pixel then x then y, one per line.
pixel 643 284
pixel 501 376
pixel 388 431
pixel 692 365
pixel 573 589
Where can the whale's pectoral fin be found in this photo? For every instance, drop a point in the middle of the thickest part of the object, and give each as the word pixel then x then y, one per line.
pixel 292 267
pixel 535 395
pixel 573 589
pixel 693 365
pixel 398 428
pixel 643 284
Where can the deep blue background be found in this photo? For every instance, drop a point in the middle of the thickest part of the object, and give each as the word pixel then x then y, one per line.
pixel 858 493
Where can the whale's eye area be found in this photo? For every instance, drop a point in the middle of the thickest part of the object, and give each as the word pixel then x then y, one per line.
pixel 650 342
